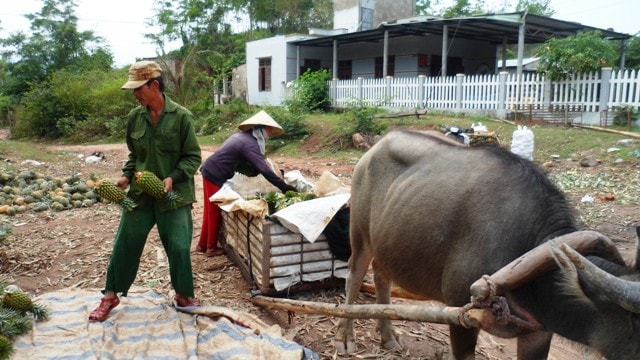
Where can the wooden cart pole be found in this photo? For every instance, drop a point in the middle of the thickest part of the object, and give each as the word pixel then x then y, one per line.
pixel 432 314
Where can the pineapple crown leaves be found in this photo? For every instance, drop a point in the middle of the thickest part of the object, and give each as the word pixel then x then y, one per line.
pixel 13 323
pixel 6 347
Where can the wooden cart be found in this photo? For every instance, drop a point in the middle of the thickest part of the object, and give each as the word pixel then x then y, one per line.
pixel 276 260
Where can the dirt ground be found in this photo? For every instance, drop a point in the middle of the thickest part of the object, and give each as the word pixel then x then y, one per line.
pixel 70 249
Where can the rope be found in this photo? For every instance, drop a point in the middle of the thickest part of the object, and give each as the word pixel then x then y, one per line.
pixel 499 308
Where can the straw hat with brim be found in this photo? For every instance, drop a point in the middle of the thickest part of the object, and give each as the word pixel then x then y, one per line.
pixel 141 72
pixel 262 118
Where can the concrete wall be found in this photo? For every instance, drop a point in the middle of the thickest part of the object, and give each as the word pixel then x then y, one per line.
pixel 283 67
pixel 347 13
pixel 274 48
pixel 239 82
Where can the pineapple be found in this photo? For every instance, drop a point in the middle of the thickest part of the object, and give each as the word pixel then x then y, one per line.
pixel 6 347
pixel 152 185
pixel 16 299
pixel 113 193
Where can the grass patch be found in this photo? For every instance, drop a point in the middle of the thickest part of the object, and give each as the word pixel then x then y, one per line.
pixel 10 150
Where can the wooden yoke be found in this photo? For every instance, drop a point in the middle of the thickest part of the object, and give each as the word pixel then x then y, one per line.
pixel 538 261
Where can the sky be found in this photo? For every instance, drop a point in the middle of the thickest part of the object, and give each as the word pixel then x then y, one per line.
pixel 122 22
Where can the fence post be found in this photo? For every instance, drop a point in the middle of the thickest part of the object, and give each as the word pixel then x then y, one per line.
pixel 459 80
pixel 548 90
pixel 334 92
pixel 421 102
pixel 502 90
pixel 359 89
pixel 387 89
pixel 605 88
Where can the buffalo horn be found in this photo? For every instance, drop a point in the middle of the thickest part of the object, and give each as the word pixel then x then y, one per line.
pixel 625 294
pixel 538 261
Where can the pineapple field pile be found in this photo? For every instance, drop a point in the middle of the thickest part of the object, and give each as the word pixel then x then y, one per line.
pixel 34 191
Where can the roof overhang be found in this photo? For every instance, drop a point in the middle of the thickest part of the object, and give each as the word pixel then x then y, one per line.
pixel 492 28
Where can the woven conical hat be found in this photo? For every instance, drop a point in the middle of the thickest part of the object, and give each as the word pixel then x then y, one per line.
pixel 262 118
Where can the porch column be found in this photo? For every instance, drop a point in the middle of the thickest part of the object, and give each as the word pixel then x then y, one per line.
pixel 335 59
pixel 385 53
pixel 297 62
pixel 605 88
pixel 520 50
pixel 504 54
pixel 445 41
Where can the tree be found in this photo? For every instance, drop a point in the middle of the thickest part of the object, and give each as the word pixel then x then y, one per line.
pixel 632 59
pixel 585 52
pixel 52 44
pixel 536 7
pixel 468 7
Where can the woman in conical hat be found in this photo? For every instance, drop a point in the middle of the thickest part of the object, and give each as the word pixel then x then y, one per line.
pixel 247 146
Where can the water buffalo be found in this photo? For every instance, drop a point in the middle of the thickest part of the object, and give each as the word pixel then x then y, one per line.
pixel 433 217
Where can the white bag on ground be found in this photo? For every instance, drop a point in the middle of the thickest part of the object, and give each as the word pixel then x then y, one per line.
pixel 522 142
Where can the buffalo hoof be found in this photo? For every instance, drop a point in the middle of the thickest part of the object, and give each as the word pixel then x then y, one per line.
pixel 392 344
pixel 342 349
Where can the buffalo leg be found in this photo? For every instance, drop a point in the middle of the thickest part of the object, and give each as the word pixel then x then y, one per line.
pixel 534 346
pixel 463 343
pixel 390 339
pixel 358 266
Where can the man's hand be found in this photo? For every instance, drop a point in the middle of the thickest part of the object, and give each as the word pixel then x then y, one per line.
pixel 123 182
pixel 168 184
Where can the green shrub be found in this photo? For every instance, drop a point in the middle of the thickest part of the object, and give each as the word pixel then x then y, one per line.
pixel 72 97
pixel 623 113
pixel 80 131
pixel 310 92
pixel 292 122
pixel 222 116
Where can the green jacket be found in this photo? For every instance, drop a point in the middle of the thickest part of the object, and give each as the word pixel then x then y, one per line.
pixel 169 149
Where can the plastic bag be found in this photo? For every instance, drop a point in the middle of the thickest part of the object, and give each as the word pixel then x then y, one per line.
pixel 479 128
pixel 522 142
pixel 296 179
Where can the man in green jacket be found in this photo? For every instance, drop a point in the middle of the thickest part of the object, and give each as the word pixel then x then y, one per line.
pixel 161 139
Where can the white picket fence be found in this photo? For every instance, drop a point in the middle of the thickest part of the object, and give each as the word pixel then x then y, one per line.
pixel 589 92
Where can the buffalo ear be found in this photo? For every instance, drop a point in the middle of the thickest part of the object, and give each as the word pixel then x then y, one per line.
pixel 567 269
pixel 623 293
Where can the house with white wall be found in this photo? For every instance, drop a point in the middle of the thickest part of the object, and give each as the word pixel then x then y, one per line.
pixel 364 45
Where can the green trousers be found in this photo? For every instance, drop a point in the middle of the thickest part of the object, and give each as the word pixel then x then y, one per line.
pixel 175 228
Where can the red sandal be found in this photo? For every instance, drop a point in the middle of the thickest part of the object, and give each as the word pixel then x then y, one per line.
pixel 102 311
pixel 185 302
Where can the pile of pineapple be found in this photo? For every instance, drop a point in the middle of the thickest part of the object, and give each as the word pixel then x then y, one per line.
pixel 17 313
pixel 33 191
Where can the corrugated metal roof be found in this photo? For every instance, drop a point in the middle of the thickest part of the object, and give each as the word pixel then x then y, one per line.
pixel 494 28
